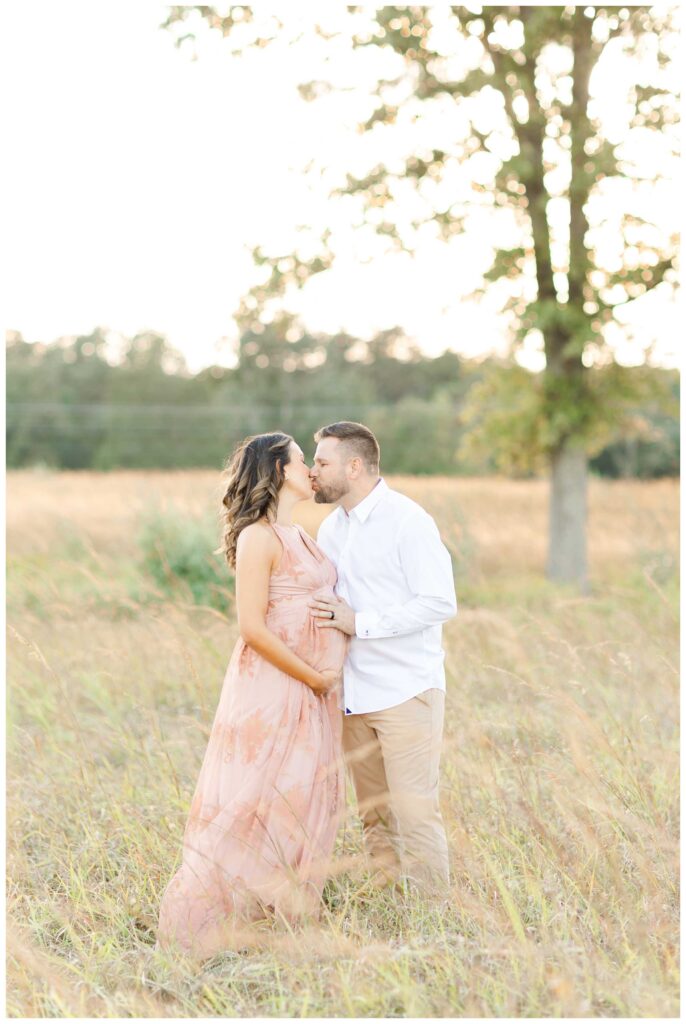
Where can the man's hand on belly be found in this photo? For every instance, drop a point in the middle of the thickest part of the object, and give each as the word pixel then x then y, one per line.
pixel 343 614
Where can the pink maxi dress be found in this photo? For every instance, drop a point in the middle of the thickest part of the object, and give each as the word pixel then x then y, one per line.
pixel 264 815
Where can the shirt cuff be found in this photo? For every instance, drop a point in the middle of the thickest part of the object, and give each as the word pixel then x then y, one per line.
pixel 375 625
pixel 366 624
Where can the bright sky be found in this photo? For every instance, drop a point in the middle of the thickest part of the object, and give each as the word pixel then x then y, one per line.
pixel 136 177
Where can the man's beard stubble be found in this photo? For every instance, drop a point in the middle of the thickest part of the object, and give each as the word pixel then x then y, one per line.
pixel 330 495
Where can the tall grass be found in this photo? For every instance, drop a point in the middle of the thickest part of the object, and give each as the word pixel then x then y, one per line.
pixel 560 768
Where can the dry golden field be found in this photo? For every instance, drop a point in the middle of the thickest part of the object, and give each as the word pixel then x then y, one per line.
pixel 560 768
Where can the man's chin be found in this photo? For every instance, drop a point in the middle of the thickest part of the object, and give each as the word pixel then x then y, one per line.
pixel 319 498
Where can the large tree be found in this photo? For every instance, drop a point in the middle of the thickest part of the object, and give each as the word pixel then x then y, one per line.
pixel 513 95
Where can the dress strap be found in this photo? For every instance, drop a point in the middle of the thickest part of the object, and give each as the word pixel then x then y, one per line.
pixel 284 532
pixel 281 535
pixel 311 544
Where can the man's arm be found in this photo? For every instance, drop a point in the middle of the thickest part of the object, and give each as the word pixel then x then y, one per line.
pixel 428 571
pixel 429 575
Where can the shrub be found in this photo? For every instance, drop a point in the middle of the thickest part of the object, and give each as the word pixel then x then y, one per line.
pixel 177 553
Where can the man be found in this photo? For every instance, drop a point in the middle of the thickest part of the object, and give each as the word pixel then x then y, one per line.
pixel 395 588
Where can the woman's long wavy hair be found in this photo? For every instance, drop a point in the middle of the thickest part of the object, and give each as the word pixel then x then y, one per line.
pixel 255 476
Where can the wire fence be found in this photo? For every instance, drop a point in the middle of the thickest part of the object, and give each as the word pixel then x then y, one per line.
pixel 105 435
pixel 420 437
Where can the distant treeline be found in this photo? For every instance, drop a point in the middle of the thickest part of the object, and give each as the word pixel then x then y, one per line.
pixel 68 407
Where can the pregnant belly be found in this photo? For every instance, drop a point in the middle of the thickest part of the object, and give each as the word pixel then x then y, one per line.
pixel 320 646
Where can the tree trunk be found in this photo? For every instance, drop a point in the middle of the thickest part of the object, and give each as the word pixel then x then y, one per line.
pixel 567 562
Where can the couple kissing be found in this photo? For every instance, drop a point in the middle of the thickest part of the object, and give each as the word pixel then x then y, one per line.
pixel 339 662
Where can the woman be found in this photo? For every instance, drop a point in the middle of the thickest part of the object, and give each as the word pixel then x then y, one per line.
pixel 264 815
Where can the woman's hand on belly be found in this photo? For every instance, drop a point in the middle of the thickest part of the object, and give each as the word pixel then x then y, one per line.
pixel 330 678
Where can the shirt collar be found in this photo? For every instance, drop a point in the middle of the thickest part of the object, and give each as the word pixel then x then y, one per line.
pixel 363 508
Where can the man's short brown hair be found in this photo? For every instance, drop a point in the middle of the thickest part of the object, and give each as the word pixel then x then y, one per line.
pixel 358 439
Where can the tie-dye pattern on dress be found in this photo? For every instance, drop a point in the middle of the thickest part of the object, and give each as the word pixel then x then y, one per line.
pixel 265 811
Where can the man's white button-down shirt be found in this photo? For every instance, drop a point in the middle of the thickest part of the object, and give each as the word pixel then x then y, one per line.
pixel 396 573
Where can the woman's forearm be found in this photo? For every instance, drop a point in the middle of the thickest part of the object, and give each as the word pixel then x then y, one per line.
pixel 274 650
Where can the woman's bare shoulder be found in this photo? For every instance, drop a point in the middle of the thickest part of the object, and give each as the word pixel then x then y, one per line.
pixel 258 538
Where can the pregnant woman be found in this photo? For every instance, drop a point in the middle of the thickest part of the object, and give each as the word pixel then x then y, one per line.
pixel 264 814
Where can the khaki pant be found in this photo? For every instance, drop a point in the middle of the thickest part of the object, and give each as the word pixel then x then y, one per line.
pixel 393 756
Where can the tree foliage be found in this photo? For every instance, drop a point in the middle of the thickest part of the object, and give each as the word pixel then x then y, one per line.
pixel 71 405
pixel 509 99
